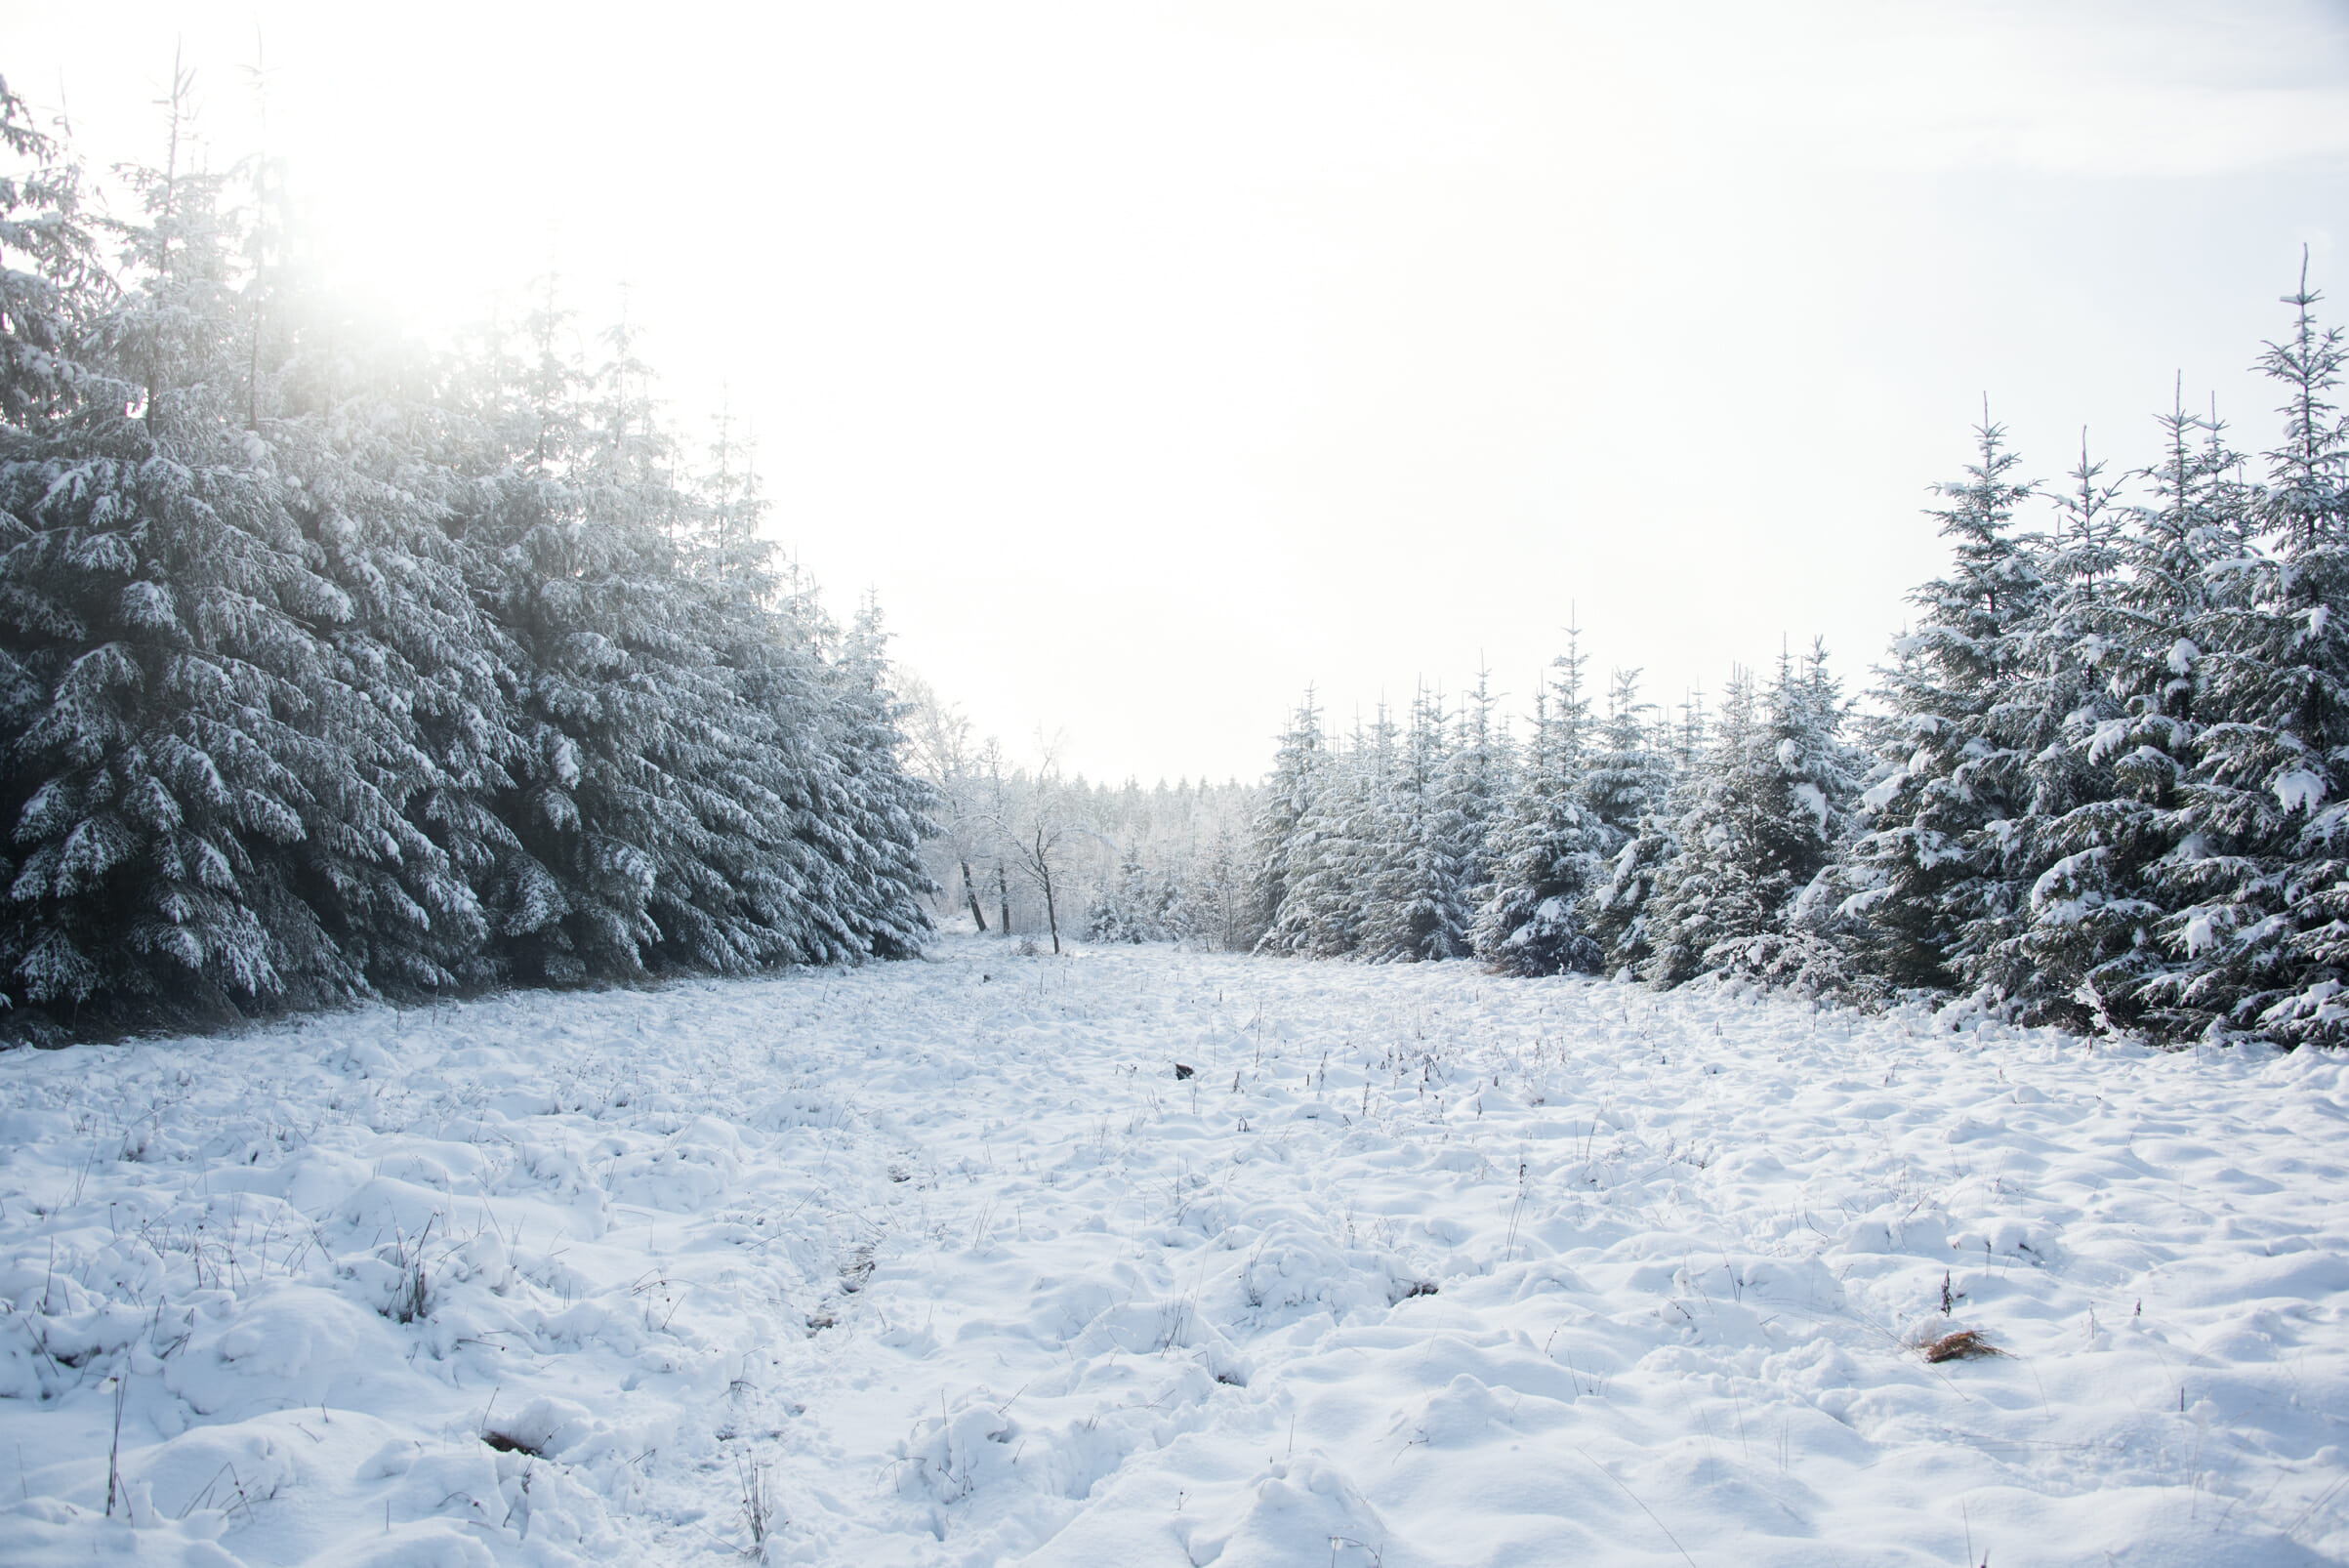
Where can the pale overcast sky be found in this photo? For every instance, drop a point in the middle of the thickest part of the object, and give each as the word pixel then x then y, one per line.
pixel 1154 360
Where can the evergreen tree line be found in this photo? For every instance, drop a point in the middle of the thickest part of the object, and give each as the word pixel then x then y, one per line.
pixel 333 666
pixel 1605 840
pixel 2103 781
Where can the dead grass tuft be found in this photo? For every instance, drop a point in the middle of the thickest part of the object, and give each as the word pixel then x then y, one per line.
pixel 1967 1345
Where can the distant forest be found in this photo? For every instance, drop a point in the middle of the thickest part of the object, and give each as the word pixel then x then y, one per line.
pixel 334 668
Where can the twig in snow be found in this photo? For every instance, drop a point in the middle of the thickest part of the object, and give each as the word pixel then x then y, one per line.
pixel 122 1384
pixel 1643 1507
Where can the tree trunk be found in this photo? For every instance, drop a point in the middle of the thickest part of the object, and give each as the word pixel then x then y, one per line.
pixel 970 892
pixel 1003 897
pixel 1044 875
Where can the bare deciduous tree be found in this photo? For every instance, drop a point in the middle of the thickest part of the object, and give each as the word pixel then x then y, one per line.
pixel 1038 828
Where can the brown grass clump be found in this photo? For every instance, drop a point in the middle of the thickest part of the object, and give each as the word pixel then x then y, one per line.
pixel 1967 1345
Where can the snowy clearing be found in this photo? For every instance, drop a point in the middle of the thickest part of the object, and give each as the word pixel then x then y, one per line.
pixel 942 1263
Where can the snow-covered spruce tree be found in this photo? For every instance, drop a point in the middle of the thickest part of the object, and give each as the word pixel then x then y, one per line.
pixel 1712 889
pixel 1550 846
pixel 1416 906
pixel 757 887
pixel 403 708
pixel 1630 774
pixel 882 810
pixel 1631 783
pixel 2061 697
pixel 1823 770
pixel 1299 775
pixel 680 800
pixel 373 454
pixel 1937 880
pixel 1337 848
pixel 1811 777
pixel 2191 561
pixel 1770 808
pixel 1478 782
pixel 2117 653
pixel 2254 888
pixel 422 710
pixel 673 819
pixel 51 284
pixel 816 809
pixel 177 756
pixel 1619 908
pixel 580 593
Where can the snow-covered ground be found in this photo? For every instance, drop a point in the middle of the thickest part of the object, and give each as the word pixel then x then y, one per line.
pixel 944 1264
